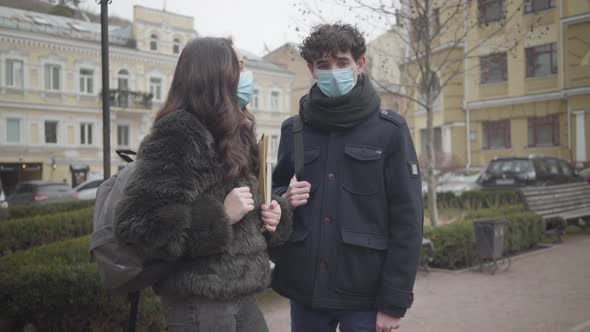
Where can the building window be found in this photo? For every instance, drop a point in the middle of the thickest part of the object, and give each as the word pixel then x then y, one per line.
pixel 544 131
pixel 154 42
pixel 86 134
pixel 493 68
pixel 274 143
pixel 533 6
pixel 14 74
pixel 52 77
pixel 491 10
pixel 541 60
pixel 275 98
pixel 255 99
pixel 437 139
pixel 51 132
pixel 123 80
pixel 496 135
pixel 86 81
pixel 176 46
pixel 123 135
pixel 156 88
pixel 13 131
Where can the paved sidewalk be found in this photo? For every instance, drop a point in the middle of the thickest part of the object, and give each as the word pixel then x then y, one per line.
pixel 545 291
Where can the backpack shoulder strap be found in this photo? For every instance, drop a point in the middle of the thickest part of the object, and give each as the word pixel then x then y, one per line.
pixel 298 147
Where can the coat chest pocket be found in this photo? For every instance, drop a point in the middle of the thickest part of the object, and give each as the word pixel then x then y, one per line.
pixel 362 173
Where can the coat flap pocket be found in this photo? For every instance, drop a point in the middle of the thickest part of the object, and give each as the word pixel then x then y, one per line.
pixel 373 241
pixel 311 155
pixel 362 153
pixel 298 235
pixel 102 236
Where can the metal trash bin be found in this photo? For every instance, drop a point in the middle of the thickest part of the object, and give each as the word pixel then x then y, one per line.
pixel 489 238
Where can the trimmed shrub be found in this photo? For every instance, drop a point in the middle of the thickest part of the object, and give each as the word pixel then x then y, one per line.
pixel 56 293
pixel 18 234
pixel 474 200
pixel 454 243
pixel 38 210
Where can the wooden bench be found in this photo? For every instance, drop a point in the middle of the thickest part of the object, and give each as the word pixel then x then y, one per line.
pixel 560 205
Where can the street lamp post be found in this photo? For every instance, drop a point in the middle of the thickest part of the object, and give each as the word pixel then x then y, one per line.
pixel 106 110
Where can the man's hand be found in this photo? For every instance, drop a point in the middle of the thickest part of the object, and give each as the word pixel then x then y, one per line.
pixel 271 216
pixel 386 323
pixel 298 193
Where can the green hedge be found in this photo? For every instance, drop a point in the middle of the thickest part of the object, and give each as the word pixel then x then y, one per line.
pixel 18 234
pixel 57 288
pixel 474 200
pixel 37 210
pixel 454 243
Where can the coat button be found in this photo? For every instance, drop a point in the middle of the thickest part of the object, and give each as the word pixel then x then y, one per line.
pixel 323 263
pixel 384 112
pixel 327 220
pixel 331 176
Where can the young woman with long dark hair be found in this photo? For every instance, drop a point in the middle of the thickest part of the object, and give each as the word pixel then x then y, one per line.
pixel 193 197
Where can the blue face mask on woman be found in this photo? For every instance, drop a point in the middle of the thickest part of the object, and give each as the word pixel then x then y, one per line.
pixel 335 83
pixel 245 88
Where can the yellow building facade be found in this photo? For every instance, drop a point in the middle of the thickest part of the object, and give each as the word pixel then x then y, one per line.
pixel 524 90
pixel 50 90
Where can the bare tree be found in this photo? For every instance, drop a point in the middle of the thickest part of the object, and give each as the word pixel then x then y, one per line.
pixel 437 42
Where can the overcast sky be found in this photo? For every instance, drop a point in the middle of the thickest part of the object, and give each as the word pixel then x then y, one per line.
pixel 252 23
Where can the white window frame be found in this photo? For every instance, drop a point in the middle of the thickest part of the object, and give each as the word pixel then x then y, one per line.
pixel 129 77
pixel 279 102
pixel 152 39
pixel 62 80
pixel 256 99
pixel 149 85
pixel 130 132
pixel 4 129
pixel 86 136
pixel 94 79
pixel 14 55
pixel 274 138
pixel 58 135
pixel 176 41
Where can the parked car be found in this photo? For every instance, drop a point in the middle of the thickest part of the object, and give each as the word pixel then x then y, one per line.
pixel 87 190
pixel 41 192
pixel 459 181
pixel 585 174
pixel 514 172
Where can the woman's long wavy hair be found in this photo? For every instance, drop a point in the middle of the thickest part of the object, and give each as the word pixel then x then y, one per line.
pixel 205 83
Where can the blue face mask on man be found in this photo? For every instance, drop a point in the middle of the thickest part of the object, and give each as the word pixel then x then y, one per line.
pixel 335 83
pixel 245 88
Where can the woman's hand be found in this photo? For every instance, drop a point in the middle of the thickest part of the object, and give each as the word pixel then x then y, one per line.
pixel 271 216
pixel 238 203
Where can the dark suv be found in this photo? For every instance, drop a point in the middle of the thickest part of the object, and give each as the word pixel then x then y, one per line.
pixel 513 172
pixel 40 192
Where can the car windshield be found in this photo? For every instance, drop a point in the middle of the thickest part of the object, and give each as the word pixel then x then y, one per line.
pixel 518 166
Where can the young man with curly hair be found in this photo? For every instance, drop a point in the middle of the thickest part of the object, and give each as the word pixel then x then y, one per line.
pixel 357 232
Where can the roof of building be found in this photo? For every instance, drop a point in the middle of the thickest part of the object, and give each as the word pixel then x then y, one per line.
pixel 254 61
pixel 23 20
pixel 65 27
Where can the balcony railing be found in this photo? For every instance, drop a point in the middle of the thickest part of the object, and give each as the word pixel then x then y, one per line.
pixel 130 99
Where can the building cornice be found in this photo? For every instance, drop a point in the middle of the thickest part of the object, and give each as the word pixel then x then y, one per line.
pixel 500 102
pixel 576 19
pixel 84 48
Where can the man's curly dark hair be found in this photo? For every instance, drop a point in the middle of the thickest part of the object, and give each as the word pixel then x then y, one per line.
pixel 331 39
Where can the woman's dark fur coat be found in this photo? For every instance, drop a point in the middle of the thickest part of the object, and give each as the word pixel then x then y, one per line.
pixel 173 210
